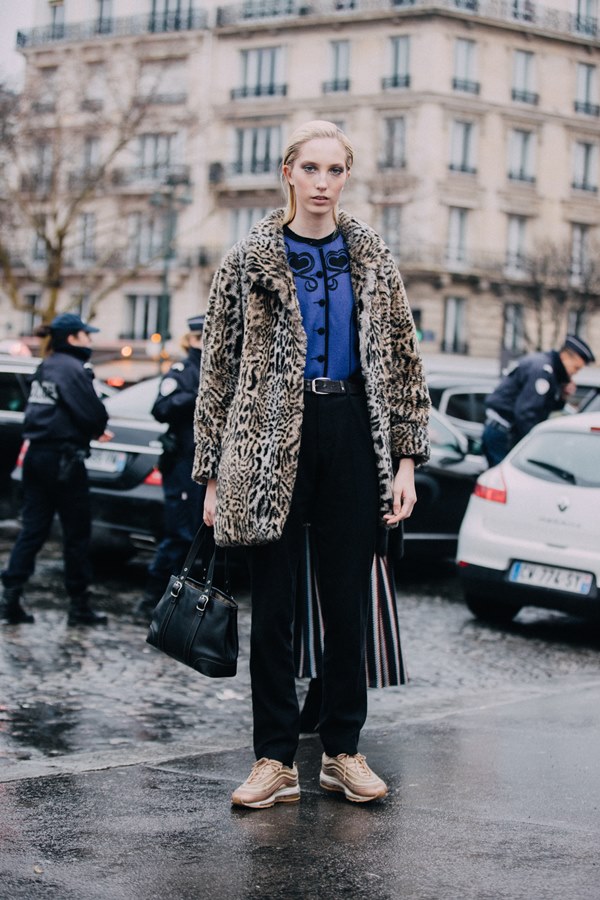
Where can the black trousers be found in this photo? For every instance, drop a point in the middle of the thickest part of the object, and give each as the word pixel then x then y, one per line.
pixel 336 491
pixel 43 496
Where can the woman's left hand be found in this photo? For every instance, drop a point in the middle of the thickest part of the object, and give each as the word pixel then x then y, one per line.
pixel 405 495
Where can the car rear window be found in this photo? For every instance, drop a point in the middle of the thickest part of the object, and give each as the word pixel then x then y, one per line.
pixel 569 457
pixel 134 402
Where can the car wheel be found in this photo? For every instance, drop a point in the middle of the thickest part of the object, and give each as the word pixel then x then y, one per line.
pixel 491 610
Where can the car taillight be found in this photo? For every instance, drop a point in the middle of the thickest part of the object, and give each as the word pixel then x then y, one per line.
pixel 491 486
pixel 154 478
pixel 22 452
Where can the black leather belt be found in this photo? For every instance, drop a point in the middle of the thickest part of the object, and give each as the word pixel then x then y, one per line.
pixel 330 386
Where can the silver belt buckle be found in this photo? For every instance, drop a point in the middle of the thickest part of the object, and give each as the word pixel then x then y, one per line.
pixel 313 386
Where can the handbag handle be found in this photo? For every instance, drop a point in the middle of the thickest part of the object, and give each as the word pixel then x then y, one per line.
pixel 191 559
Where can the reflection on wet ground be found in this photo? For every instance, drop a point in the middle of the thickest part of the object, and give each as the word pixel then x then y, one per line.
pixel 72 690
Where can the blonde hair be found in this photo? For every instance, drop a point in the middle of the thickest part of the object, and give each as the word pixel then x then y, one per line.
pixel 317 128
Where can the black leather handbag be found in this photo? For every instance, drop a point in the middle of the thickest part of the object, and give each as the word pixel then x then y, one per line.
pixel 196 623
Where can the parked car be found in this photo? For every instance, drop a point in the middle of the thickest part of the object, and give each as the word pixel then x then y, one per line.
pixel 462 399
pixel 126 484
pixel 531 533
pixel 587 394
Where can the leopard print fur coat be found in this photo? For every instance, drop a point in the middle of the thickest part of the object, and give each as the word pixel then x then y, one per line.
pixel 250 403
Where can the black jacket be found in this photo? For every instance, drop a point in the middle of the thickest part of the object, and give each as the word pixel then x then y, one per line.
pixel 63 406
pixel 530 392
pixel 176 400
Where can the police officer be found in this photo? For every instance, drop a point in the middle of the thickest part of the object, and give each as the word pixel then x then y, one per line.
pixel 538 385
pixel 62 415
pixel 184 498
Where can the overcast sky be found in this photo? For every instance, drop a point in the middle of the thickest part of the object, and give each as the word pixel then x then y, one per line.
pixel 14 14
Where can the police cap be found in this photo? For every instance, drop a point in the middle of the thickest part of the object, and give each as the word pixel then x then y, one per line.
pixel 196 323
pixel 70 323
pixel 576 345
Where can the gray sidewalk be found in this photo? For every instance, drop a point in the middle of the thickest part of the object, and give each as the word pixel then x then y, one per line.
pixel 499 801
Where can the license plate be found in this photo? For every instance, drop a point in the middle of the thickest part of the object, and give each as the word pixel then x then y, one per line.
pixel 551 577
pixel 112 461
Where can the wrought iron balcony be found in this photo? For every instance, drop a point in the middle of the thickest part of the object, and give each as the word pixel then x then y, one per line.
pixel 151 177
pixel 395 81
pixel 525 96
pixel 154 23
pixel 259 90
pixel 465 85
pixel 589 109
pixel 336 86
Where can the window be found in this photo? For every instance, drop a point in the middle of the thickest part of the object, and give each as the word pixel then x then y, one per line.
pixel 155 153
pixel 94 87
pixel 261 73
pixel 57 19
pixel 243 219
pixel 457 235
pixel 521 155
pixel 462 153
pixel 579 252
pixel 32 318
pixel 523 89
pixel 513 329
pixel 586 20
pixel 46 89
pixel 87 237
pixel 515 248
pixel 147 315
pixel 91 153
pixel 394 133
pixel 43 166
pixel 391 227
pixel 465 66
pixel 340 67
pixel 258 150
pixel 104 16
pixel 523 10
pixel 587 90
pixel 576 321
pixel 146 238
pixel 163 81
pixel 399 63
pixel 585 166
pixel 168 15
pixel 454 325
pixel 38 250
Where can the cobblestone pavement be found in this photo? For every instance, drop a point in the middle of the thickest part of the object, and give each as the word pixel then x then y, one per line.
pixel 70 694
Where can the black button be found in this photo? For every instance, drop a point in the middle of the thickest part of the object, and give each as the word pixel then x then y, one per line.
pixel 320 359
pixel 319 274
pixel 321 302
pixel 320 331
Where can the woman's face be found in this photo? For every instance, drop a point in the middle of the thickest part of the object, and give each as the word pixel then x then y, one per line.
pixel 318 175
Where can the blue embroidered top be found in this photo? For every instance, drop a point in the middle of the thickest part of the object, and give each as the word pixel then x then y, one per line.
pixel 321 270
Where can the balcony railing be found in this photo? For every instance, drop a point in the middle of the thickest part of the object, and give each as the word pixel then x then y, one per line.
pixel 115 27
pixel 522 177
pixel 259 90
pixel 520 96
pixel 464 168
pixel 589 109
pixel 584 186
pixel 465 85
pixel 254 167
pixel 526 13
pixel 395 81
pixel 151 176
pixel 336 86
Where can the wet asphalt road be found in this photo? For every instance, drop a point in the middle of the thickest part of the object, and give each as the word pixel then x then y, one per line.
pixel 70 693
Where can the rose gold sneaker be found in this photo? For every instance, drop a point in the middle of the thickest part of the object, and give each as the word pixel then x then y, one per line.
pixel 352 776
pixel 268 783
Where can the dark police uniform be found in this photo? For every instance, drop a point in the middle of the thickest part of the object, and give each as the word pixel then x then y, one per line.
pixel 62 415
pixel 184 498
pixel 525 397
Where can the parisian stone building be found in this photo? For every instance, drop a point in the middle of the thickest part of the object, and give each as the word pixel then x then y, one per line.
pixel 476 126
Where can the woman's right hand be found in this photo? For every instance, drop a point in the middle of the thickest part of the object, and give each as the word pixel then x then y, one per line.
pixel 210 502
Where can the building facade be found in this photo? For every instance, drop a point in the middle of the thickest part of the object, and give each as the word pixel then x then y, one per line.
pixel 476 125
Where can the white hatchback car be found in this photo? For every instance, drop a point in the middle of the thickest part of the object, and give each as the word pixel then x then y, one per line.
pixel 531 532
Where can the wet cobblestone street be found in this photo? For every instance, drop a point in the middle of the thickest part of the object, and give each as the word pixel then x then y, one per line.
pixel 66 693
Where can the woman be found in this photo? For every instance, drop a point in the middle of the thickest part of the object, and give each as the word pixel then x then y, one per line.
pixel 311 390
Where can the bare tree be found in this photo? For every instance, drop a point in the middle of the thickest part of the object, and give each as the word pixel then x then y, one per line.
pixel 59 155
pixel 556 286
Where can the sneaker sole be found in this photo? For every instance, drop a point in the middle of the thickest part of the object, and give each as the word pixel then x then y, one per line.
pixel 330 783
pixel 284 795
